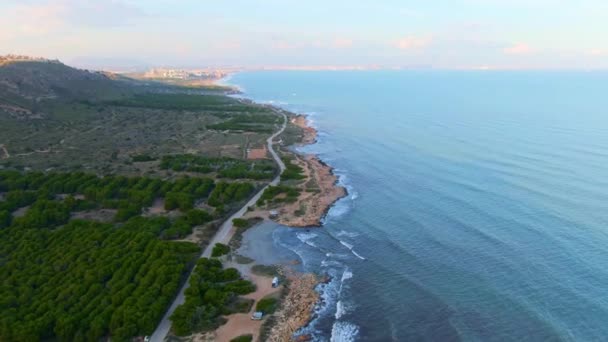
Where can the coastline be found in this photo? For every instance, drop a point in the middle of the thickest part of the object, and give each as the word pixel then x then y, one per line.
pixel 328 190
pixel 296 309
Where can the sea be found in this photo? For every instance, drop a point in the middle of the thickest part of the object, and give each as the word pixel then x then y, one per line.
pixel 477 205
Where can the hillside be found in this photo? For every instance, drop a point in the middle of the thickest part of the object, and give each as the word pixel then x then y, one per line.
pixel 25 85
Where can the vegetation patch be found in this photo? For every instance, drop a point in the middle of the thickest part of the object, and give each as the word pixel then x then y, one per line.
pixel 265 270
pixel 267 305
pixel 243 338
pixel 292 171
pixel 174 101
pixel 212 290
pixel 128 196
pixel 261 123
pixel 224 167
pixel 241 226
pixel 271 195
pixel 220 249
pixel 142 158
pixel 225 193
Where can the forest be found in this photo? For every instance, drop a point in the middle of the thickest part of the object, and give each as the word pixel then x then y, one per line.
pixel 77 280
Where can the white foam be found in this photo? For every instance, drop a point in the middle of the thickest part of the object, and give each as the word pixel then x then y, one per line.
pixel 352 250
pixel 344 332
pixel 340 309
pixel 347 234
pixel 306 237
pixel 357 254
pixel 338 209
pixel 346 275
pixel 330 263
pixel 346 244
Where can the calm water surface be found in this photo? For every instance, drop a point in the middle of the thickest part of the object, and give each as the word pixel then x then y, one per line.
pixel 477 207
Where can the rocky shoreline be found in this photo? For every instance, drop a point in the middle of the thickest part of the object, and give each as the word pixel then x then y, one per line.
pixel 319 191
pixel 320 188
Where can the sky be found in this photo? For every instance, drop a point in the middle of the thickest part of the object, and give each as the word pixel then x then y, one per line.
pixel 445 34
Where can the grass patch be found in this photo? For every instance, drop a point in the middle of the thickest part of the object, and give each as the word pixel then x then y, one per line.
pixel 243 338
pixel 267 305
pixel 243 260
pixel 265 270
pixel 239 305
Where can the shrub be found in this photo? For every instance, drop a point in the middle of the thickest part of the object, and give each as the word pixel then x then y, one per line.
pixel 240 223
pixel 267 305
pixel 220 249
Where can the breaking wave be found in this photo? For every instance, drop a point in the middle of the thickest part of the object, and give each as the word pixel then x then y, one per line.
pixel 344 332
pixel 306 237
pixel 352 250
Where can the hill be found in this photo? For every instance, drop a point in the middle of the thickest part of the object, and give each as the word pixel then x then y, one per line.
pixel 26 83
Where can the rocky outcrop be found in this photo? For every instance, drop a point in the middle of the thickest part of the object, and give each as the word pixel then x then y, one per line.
pixel 296 309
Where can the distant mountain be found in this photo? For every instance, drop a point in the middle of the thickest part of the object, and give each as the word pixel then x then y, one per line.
pixel 25 83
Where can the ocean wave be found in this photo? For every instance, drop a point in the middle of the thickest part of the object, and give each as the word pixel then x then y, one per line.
pixel 344 332
pixel 352 249
pixel 336 255
pixel 347 234
pixel 346 275
pixel 306 237
pixel 340 309
pixel 346 244
pixel 300 253
pixel 358 255
pixel 331 263
pixel 275 103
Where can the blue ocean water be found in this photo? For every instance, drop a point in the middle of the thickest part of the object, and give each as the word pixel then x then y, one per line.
pixel 477 207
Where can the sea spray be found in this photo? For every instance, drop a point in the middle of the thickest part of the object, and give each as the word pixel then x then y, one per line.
pixel 344 332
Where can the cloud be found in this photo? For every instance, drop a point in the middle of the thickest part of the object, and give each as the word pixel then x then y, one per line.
pixel 342 43
pixel 39 17
pixel 518 49
pixel 597 53
pixel 413 43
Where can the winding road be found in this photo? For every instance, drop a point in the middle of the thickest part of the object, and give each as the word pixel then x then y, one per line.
pixel 223 236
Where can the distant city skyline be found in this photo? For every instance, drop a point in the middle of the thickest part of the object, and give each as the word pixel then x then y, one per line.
pixel 456 34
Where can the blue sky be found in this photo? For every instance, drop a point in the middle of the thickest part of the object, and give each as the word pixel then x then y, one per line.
pixel 453 34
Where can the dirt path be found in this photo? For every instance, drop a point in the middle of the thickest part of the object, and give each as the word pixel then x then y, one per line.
pixel 223 235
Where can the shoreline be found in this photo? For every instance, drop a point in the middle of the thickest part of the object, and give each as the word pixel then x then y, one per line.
pixel 327 192
pixel 296 310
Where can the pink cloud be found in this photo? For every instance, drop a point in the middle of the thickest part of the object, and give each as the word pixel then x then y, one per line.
pixel 413 43
pixel 597 52
pixel 518 49
pixel 342 43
